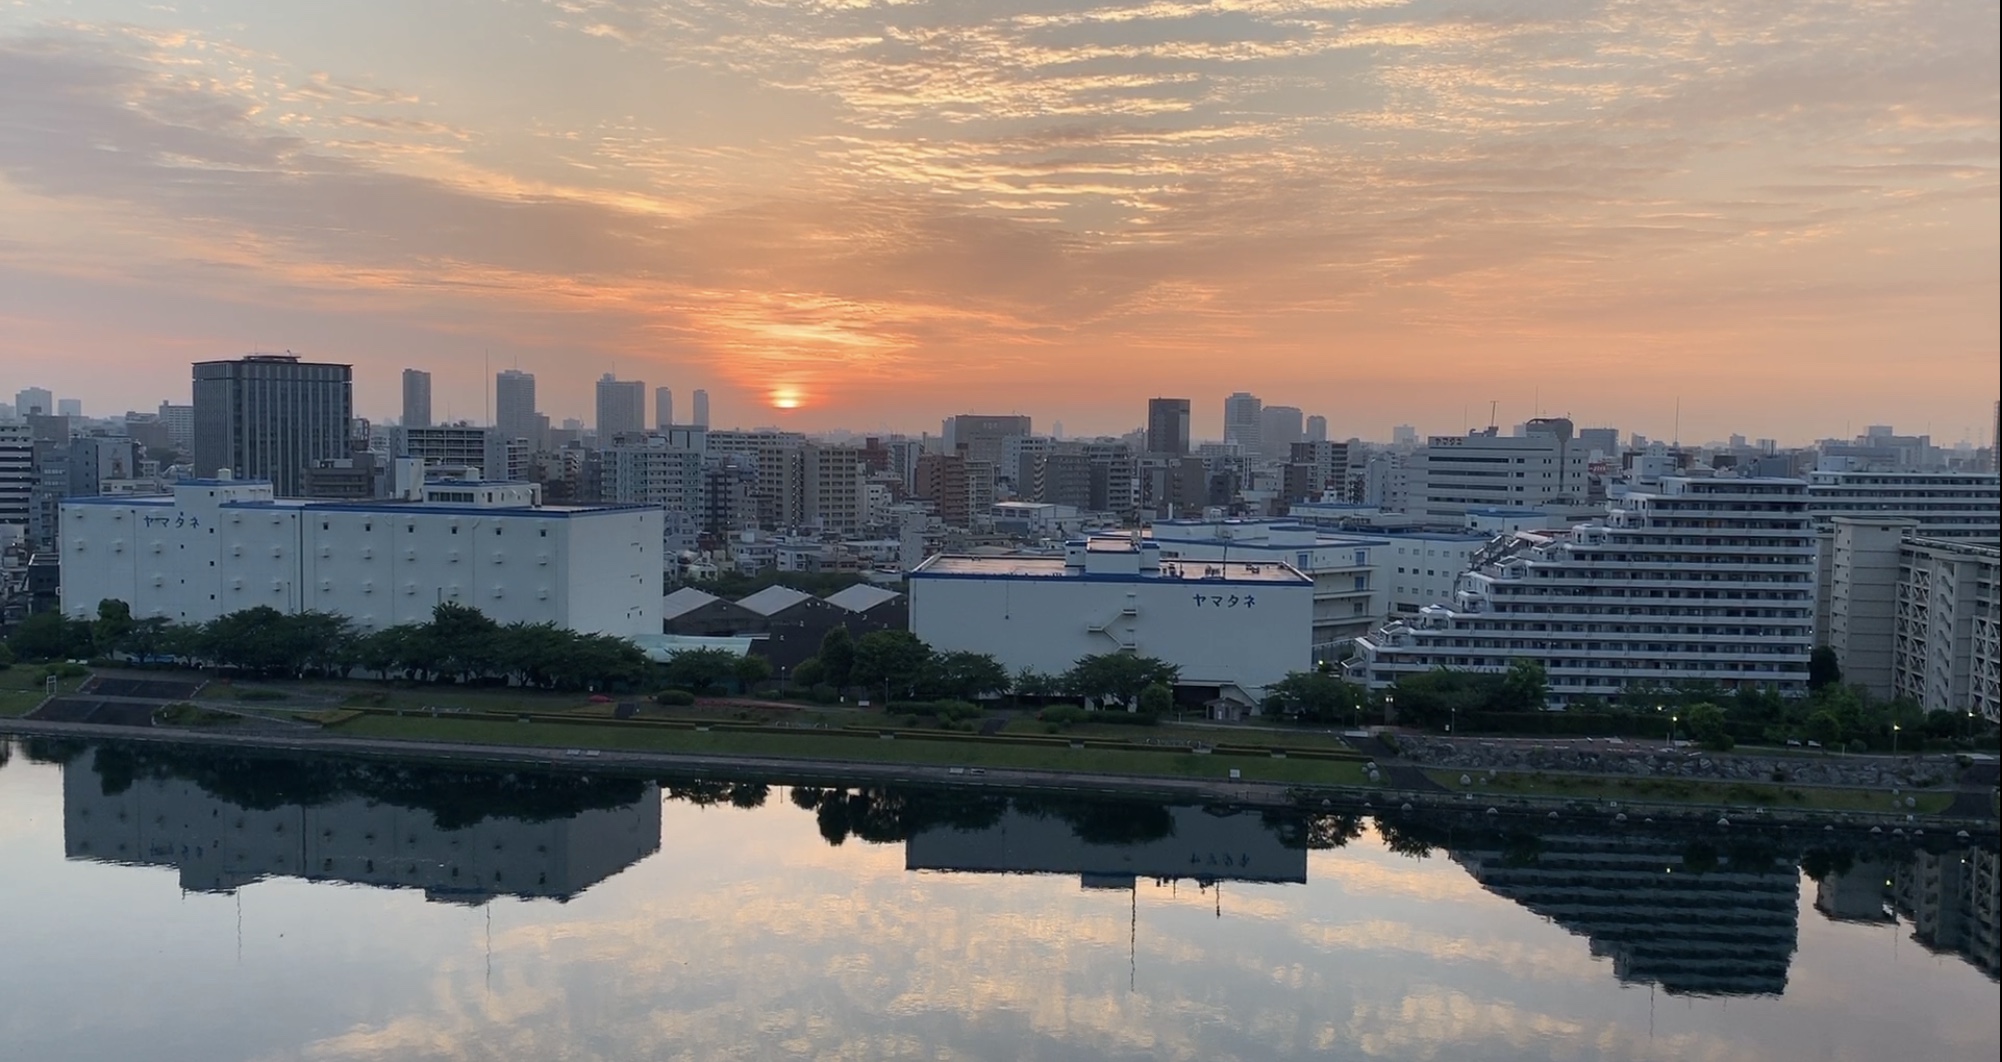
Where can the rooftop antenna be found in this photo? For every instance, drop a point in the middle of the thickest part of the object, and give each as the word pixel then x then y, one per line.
pixel 1492 405
pixel 1678 421
pixel 487 384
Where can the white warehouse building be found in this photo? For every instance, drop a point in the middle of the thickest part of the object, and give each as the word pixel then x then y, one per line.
pixel 1236 626
pixel 1348 594
pixel 217 546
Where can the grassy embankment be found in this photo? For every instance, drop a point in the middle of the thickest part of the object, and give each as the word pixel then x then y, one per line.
pixel 21 689
pixel 1692 791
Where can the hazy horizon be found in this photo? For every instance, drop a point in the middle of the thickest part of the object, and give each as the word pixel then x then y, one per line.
pixel 1785 217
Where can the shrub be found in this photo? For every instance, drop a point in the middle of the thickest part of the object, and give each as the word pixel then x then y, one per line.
pixel 823 693
pixel 1061 716
pixel 675 698
pixel 1389 742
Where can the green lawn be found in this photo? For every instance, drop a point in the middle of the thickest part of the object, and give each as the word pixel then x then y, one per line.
pixel 21 689
pixel 873 750
pixel 1692 791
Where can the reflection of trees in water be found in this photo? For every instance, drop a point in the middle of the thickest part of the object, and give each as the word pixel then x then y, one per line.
pixel 1317 832
pixel 53 750
pixel 888 815
pixel 1109 822
pixel 455 797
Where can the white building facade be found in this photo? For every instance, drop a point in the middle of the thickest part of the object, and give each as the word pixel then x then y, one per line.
pixel 1237 626
pixel 219 546
pixel 1945 653
pixel 1349 595
pixel 1484 470
pixel 1703 581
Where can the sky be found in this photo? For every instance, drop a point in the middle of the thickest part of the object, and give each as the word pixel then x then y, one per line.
pixel 1780 219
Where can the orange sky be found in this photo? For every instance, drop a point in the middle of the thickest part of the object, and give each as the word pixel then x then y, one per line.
pixel 1784 215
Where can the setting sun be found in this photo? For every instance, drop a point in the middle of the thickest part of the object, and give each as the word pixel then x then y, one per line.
pixel 787 398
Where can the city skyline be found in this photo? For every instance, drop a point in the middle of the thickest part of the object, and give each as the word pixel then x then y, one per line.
pixel 872 216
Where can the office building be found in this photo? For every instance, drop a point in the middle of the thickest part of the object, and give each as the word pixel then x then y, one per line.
pixel 663 408
pixel 269 416
pixel 1168 426
pixel 217 546
pixel 621 408
pixel 1317 428
pixel 1944 652
pixel 982 436
pixel 1235 628
pixel 1241 421
pixel 698 412
pixel 1701 580
pixel 1279 427
pixel 69 407
pixel 416 398
pixel 514 406
pixel 34 400
pixel 1485 470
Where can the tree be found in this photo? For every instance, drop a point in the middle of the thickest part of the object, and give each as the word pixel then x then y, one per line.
pixel 50 636
pixel 1824 668
pixel 837 657
pixel 1118 678
pixel 1316 696
pixel 1157 700
pixel 750 670
pixel 810 672
pixel 699 669
pixel 1824 727
pixel 964 676
pixel 114 622
pixel 1706 721
pixel 1524 688
pixel 891 660
pixel 1032 683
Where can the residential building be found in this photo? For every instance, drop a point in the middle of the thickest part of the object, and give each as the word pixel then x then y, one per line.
pixel 498 455
pixel 1348 593
pixel 70 407
pixel 1702 580
pixel 1485 470
pixel 1241 421
pixel 621 408
pixel 1421 568
pixel 180 422
pixel 836 492
pixel 1168 426
pixel 217 546
pixel 1862 598
pixel 416 399
pixel 1324 467
pixel 1235 628
pixel 269 416
pixel 514 407
pixel 1942 505
pixel 698 413
pixel 1944 655
pixel 663 408
pixel 17 476
pixel 645 470
pixel 780 460
pixel 958 488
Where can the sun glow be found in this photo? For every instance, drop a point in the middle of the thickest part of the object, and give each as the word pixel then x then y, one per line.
pixel 787 398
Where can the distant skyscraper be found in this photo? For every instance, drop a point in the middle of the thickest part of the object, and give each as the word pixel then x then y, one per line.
pixel 981 434
pixel 1168 426
pixel 1279 427
pixel 514 405
pixel 17 474
pixel 34 400
pixel 269 416
pixel 1404 435
pixel 69 407
pixel 621 407
pixel 180 422
pixel 1317 428
pixel 699 414
pixel 416 398
pixel 1241 420
pixel 663 408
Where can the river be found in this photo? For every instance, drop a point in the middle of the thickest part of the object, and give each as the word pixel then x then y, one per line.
pixel 172 905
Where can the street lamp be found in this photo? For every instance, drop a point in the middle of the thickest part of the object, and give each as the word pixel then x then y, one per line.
pixel 1672 720
pixel 1894 738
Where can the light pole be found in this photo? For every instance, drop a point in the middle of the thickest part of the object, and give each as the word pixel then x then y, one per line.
pixel 1894 738
pixel 1672 720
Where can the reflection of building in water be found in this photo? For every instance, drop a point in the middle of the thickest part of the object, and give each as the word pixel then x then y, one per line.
pixel 1859 894
pixel 219 846
pixel 1721 931
pixel 1951 899
pixel 1203 845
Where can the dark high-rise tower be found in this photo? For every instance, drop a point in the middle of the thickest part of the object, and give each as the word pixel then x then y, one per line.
pixel 416 398
pixel 1168 426
pixel 269 416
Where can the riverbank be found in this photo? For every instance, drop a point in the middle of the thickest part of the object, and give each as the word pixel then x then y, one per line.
pixel 968 764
